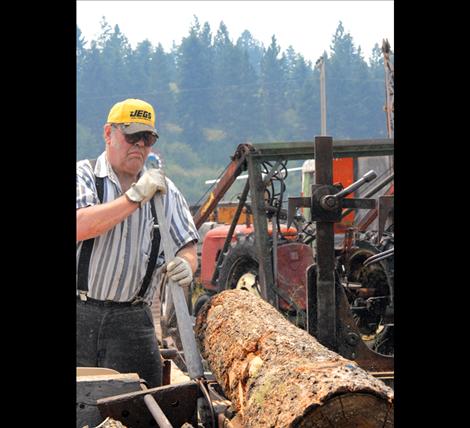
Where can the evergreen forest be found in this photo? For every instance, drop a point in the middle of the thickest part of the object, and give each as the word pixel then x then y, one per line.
pixel 211 93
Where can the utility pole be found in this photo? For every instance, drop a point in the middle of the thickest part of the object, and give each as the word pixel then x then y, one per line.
pixel 389 87
pixel 320 64
pixel 308 167
pixel 389 93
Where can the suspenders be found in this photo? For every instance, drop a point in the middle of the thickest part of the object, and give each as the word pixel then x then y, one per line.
pixel 87 248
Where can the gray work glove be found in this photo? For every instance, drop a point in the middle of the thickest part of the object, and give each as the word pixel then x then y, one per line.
pixel 151 181
pixel 179 270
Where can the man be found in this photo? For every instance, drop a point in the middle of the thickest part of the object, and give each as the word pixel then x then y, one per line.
pixel 118 245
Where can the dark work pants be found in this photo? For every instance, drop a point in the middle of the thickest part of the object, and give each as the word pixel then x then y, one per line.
pixel 120 338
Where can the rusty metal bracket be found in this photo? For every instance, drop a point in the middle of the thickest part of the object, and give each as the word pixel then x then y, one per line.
pixel 178 402
pixel 233 170
pixel 360 203
pixel 294 203
pixel 349 341
pixel 260 223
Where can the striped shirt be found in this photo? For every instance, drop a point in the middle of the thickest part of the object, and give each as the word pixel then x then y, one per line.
pixel 119 258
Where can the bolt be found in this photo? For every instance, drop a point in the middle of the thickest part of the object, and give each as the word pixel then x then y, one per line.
pixel 329 202
pixel 352 339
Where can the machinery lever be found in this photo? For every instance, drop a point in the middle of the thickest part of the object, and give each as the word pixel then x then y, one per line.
pixel 191 353
pixel 331 202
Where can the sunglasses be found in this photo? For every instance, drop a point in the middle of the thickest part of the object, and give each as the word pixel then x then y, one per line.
pixel 148 138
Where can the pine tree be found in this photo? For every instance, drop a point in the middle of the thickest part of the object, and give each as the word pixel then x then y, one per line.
pixel 347 81
pixel 375 100
pixel 139 69
pixel 272 91
pixel 162 80
pixel 116 52
pixel 254 49
pixel 195 84
pixel 81 50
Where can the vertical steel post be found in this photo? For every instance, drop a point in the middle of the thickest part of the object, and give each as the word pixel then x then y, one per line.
pixel 325 253
pixel 260 223
pixel 311 301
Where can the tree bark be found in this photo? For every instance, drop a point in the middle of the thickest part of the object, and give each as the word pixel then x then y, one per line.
pixel 277 375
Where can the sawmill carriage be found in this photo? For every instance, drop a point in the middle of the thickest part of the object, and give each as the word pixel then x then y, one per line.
pixel 269 248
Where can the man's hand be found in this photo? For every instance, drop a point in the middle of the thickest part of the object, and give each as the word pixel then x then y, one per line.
pixel 152 181
pixel 179 270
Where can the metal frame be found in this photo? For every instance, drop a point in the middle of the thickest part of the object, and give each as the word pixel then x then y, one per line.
pixel 294 151
pixel 332 318
pixel 333 325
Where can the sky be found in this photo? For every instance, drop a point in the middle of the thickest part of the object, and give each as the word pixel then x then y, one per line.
pixel 306 25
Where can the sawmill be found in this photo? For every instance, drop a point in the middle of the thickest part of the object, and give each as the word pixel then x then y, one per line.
pixel 290 319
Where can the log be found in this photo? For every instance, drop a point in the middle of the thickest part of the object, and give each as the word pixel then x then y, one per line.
pixel 277 375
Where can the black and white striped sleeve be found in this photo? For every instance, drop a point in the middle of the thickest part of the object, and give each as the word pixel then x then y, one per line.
pixel 86 189
pixel 182 227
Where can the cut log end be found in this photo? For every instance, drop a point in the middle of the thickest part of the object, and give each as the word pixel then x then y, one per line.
pixel 349 411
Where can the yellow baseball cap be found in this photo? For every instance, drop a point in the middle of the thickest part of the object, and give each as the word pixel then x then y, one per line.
pixel 136 116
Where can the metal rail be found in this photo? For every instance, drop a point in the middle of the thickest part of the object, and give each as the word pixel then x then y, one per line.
pixel 298 150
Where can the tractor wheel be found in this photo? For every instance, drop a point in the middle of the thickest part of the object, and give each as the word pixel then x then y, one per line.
pixel 240 270
pixel 240 267
pixel 200 301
